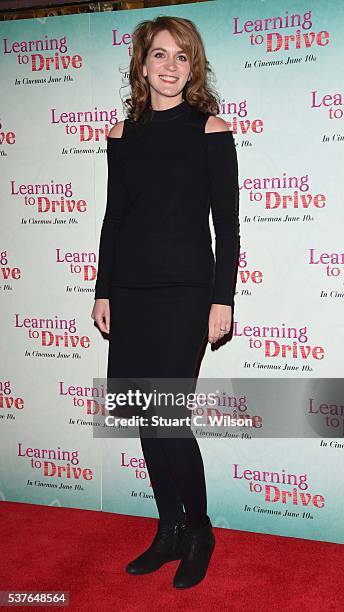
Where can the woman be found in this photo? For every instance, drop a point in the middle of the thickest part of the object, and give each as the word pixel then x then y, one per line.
pixel 159 293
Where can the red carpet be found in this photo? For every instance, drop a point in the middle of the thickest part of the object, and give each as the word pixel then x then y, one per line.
pixel 84 552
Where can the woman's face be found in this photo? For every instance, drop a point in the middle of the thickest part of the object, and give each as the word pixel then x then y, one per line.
pixel 166 67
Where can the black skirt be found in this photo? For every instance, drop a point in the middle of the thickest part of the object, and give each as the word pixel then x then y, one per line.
pixel 158 333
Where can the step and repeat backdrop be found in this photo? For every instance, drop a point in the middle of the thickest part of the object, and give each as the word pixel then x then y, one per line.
pixel 278 67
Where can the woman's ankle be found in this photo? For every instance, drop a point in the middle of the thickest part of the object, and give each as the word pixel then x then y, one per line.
pixel 198 521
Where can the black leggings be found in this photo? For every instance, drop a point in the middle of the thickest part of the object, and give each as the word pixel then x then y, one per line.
pixel 162 332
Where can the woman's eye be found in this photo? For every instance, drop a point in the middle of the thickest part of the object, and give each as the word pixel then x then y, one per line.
pixel 160 53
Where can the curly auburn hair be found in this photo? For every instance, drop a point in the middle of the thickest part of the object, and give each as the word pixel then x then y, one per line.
pixel 198 92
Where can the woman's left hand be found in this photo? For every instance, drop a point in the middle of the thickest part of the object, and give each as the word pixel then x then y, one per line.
pixel 219 323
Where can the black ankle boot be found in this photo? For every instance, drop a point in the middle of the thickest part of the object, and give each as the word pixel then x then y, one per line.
pixel 198 545
pixel 166 546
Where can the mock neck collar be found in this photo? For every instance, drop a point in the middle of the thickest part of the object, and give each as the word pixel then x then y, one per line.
pixel 168 113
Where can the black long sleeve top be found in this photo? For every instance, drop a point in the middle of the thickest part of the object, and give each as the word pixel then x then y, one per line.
pixel 165 174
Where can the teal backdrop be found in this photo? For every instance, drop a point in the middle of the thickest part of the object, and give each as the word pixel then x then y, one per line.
pixel 278 68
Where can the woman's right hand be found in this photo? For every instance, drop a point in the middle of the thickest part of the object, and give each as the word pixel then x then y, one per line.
pixel 101 314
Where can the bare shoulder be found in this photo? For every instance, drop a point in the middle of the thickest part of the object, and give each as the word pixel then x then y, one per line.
pixel 117 130
pixel 216 124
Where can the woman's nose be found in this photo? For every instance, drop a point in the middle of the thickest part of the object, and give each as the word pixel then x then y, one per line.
pixel 171 64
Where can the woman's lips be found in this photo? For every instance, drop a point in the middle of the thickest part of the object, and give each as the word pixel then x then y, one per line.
pixel 165 80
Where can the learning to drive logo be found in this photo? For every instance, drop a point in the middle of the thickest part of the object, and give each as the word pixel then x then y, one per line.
pixel 55 463
pixel 44 200
pixel 269 33
pixel 282 192
pixel 55 331
pixel 85 126
pixel 281 343
pixel 278 487
pixel 45 55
